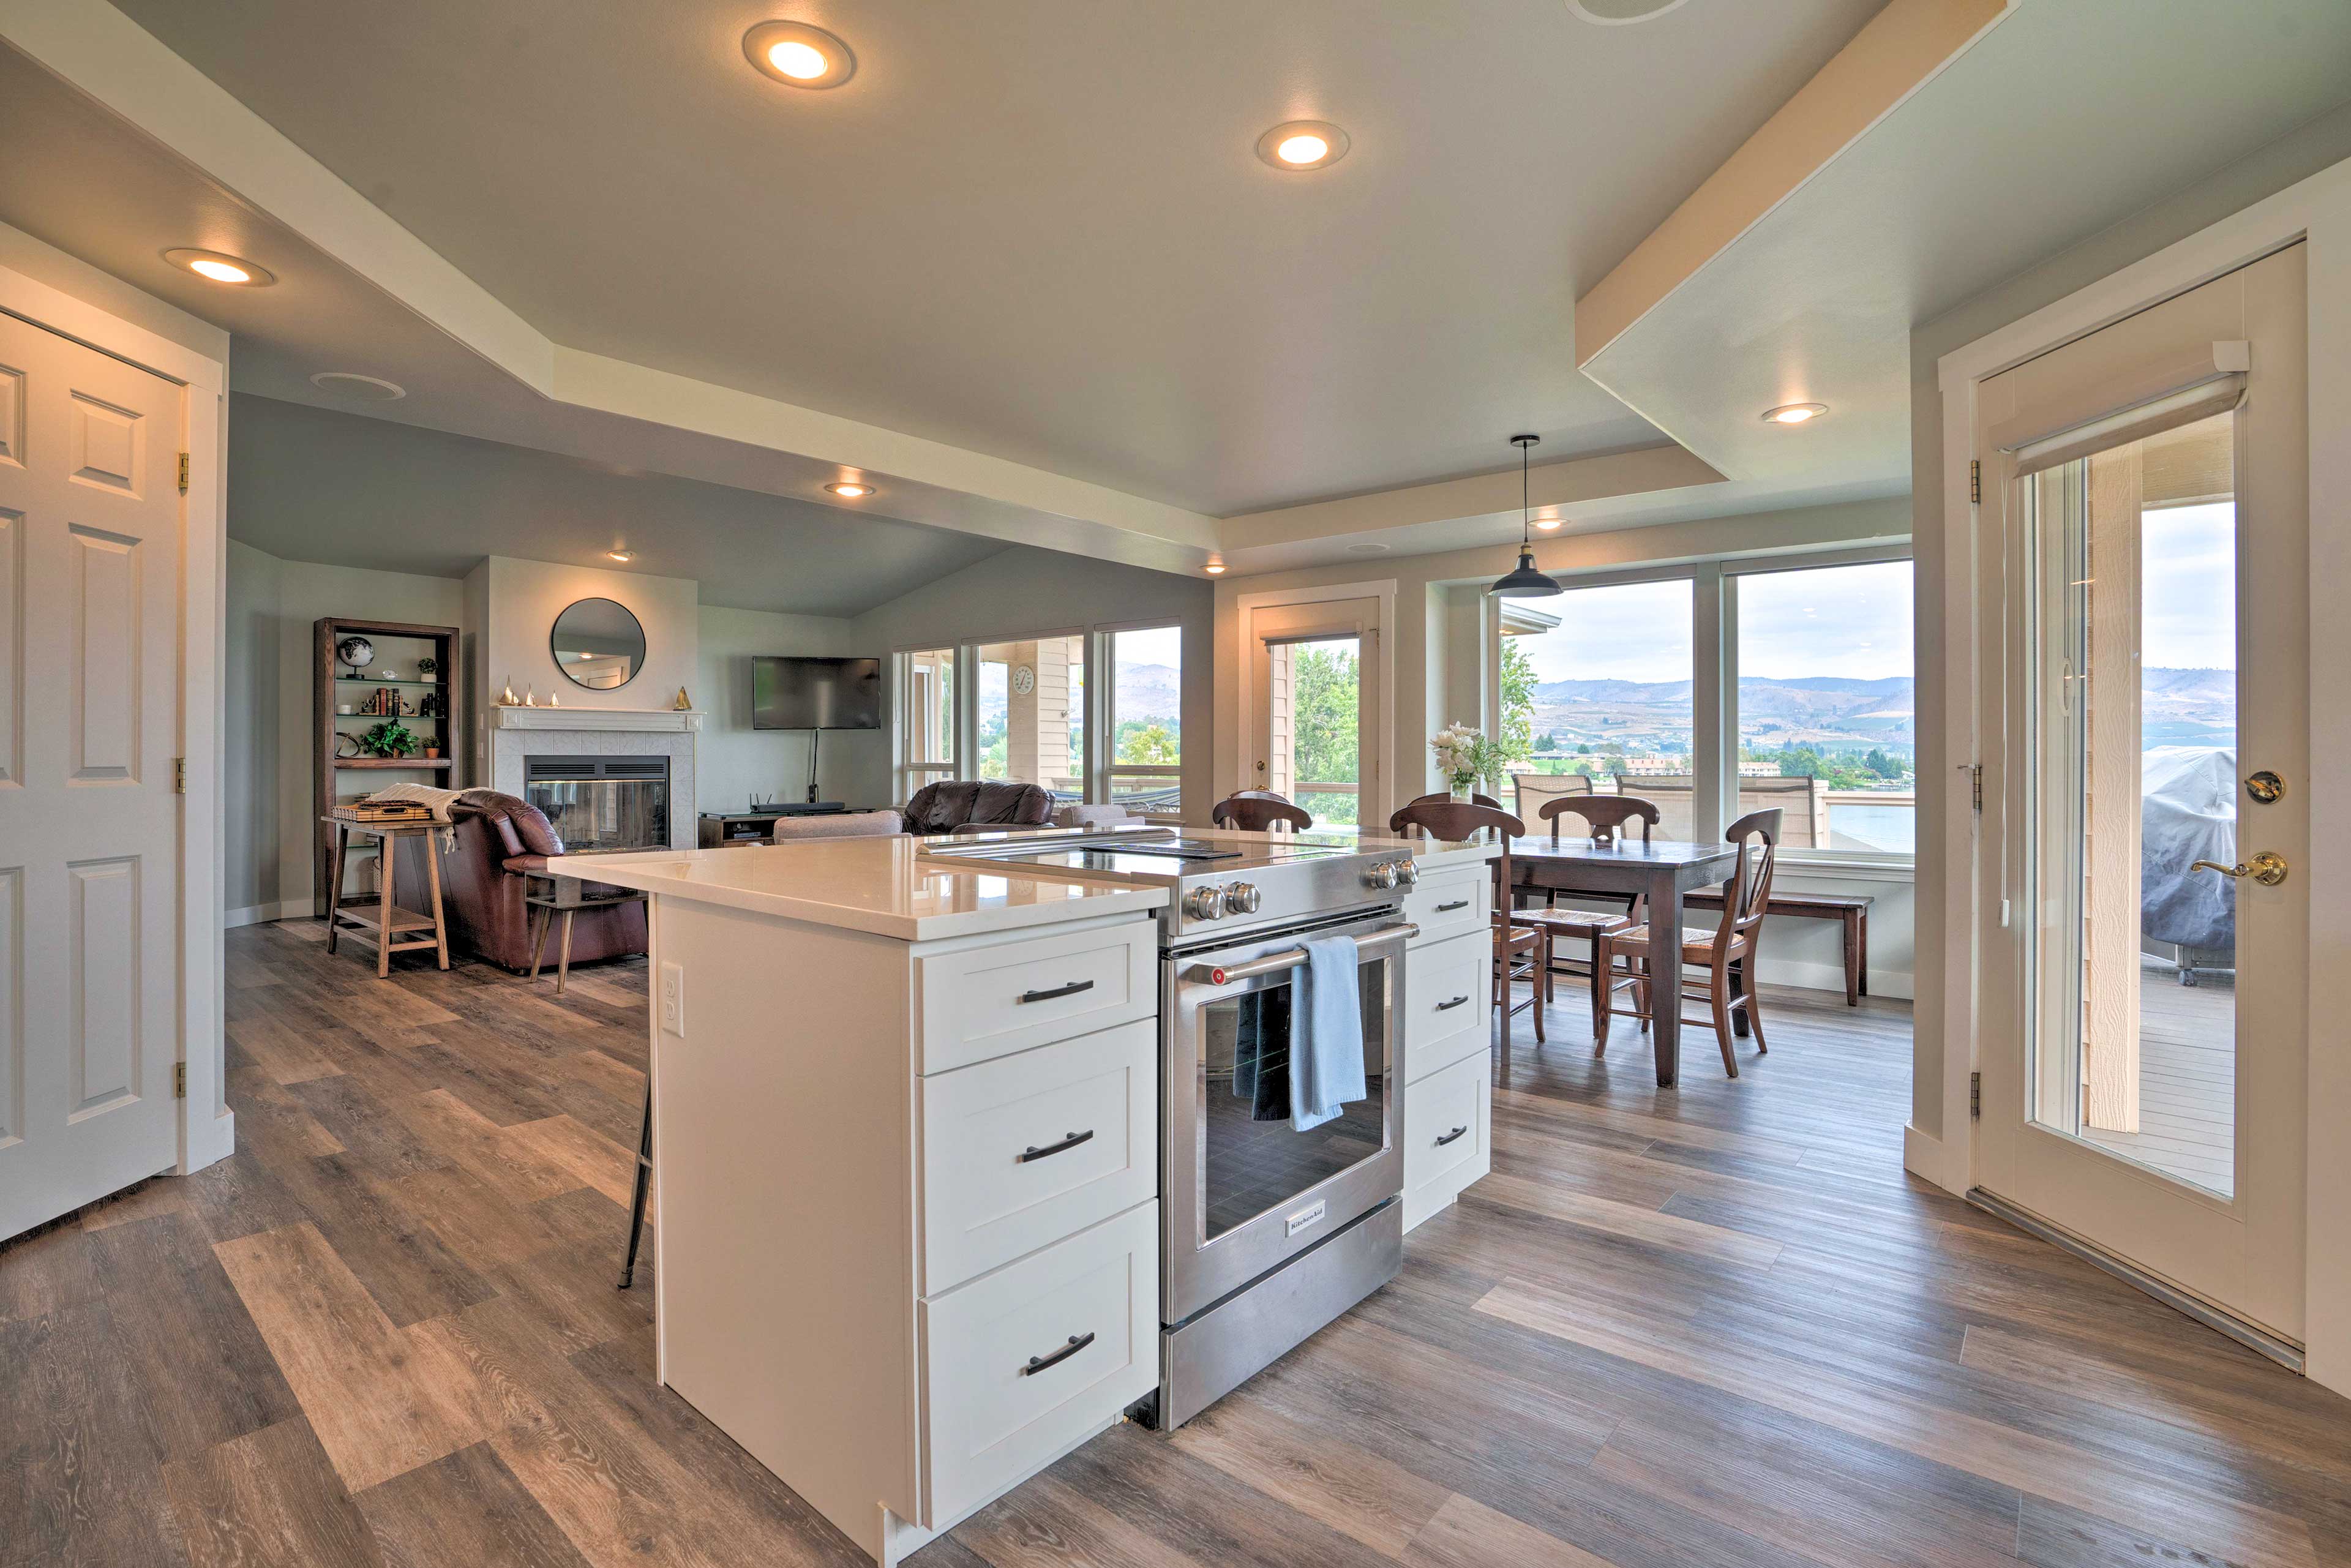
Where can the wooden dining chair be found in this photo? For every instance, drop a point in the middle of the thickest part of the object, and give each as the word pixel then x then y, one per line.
pixel 1395 818
pixel 1575 932
pixel 1520 952
pixel 1727 952
pixel 1257 812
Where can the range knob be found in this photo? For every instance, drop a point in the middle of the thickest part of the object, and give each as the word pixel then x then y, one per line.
pixel 1407 874
pixel 1204 903
pixel 1381 876
pixel 1241 898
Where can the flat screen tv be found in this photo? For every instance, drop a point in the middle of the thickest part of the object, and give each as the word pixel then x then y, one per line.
pixel 816 694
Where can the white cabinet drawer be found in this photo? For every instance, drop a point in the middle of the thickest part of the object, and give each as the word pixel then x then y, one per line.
pixel 1446 1128
pixel 1020 1366
pixel 1026 1149
pixel 1448 990
pixel 997 998
pixel 1449 901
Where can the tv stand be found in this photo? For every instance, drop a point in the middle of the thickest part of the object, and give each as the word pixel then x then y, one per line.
pixel 717 827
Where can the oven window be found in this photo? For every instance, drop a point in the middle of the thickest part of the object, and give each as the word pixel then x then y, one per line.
pixel 1254 1162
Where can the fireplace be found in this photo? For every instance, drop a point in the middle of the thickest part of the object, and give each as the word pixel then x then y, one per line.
pixel 602 803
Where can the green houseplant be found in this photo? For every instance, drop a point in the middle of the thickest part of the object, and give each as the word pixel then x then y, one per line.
pixel 389 738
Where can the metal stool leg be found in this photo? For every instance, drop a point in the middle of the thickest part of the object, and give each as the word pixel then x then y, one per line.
pixel 644 1175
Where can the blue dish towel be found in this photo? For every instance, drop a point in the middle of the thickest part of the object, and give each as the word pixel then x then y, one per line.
pixel 1326 1050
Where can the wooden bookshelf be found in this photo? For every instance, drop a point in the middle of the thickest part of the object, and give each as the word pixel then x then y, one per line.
pixel 399 644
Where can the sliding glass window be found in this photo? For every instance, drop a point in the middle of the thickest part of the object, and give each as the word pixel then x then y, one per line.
pixel 926 717
pixel 1031 697
pixel 1595 690
pixel 1827 729
pixel 1143 717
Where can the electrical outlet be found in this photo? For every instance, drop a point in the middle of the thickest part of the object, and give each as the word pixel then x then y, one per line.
pixel 673 1000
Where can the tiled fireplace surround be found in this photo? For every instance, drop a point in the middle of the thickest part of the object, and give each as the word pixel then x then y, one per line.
pixel 516 732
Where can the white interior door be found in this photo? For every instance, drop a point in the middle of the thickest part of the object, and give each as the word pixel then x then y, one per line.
pixel 90 586
pixel 2144 531
pixel 1315 704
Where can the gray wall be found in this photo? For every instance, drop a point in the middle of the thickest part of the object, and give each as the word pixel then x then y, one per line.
pixel 736 761
pixel 1025 592
pixel 2318 145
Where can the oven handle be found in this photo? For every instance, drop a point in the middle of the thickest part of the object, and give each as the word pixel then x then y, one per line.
pixel 1290 957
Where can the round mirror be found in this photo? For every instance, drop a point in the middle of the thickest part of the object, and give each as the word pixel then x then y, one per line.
pixel 598 643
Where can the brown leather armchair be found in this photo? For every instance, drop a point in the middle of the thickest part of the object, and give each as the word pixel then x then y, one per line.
pixel 499 838
pixel 954 803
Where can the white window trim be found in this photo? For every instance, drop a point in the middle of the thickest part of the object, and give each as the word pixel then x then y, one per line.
pixel 1714 679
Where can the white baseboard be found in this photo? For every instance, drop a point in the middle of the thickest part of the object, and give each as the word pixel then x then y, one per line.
pixel 1815 977
pixel 1929 1159
pixel 262 913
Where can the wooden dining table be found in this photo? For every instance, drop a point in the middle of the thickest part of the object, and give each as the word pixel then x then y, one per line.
pixel 1664 869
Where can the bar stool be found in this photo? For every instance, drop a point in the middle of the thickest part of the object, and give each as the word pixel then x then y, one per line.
pixel 645 1177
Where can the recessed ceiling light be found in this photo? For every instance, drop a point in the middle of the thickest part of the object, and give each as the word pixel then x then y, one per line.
pixel 1617 13
pixel 1296 145
pixel 1368 549
pixel 621 555
pixel 850 490
pixel 1794 412
pixel 1547 525
pixel 221 267
pixel 350 383
pixel 1214 568
pixel 797 54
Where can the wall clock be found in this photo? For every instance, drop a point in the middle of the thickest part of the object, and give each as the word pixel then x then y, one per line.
pixel 1024 681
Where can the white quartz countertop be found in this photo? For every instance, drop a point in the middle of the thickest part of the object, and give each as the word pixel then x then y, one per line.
pixel 874 884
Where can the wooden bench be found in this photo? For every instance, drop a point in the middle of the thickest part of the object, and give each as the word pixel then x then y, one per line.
pixel 1850 910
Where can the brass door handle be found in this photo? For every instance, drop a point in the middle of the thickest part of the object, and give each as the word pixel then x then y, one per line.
pixel 2268 868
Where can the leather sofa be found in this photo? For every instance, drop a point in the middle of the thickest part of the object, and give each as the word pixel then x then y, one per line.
pixel 498 839
pixel 954 804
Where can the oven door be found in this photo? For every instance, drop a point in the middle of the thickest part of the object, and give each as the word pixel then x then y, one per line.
pixel 1244 1190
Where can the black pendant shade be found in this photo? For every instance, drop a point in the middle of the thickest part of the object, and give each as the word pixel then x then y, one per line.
pixel 1522 580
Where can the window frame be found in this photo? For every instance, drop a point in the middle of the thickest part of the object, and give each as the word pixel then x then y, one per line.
pixel 1714 683
pixel 1101 719
pixel 1096 720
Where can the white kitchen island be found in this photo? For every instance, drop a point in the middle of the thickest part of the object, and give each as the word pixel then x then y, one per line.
pixel 905 1203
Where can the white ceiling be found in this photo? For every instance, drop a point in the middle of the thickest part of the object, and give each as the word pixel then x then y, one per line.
pixel 310 483
pixel 1038 229
pixel 2056 124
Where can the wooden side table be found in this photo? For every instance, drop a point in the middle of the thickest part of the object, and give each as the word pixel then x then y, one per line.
pixel 565 897
pixel 388 921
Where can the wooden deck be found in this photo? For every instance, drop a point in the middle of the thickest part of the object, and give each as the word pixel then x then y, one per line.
pixel 1709 1326
pixel 2187 1080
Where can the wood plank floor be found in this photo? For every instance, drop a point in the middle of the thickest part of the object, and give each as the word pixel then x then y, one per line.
pixel 1714 1325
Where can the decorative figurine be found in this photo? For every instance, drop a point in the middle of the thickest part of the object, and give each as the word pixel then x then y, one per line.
pixel 684 703
pixel 507 697
pixel 530 696
pixel 387 673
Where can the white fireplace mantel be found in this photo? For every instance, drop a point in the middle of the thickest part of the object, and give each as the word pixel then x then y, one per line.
pixel 631 719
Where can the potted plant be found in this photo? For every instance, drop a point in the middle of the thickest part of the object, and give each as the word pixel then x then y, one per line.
pixel 1467 758
pixel 389 738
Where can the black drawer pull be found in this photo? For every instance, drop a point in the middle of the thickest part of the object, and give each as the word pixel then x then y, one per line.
pixel 1069 1141
pixel 1449 1007
pixel 1071 989
pixel 1450 1136
pixel 1039 1362
pixel 1449 908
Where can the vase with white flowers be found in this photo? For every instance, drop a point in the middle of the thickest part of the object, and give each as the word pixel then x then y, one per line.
pixel 1467 757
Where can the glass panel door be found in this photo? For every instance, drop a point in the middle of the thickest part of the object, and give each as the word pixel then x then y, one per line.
pixel 2132 719
pixel 1318 750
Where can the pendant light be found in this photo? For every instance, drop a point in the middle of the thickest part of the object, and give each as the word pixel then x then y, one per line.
pixel 1522 580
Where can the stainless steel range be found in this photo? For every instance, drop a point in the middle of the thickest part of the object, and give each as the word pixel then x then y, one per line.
pixel 1269 1232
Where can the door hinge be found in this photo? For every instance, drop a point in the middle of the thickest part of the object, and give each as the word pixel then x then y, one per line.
pixel 1975 1096
pixel 1975 480
pixel 179 1081
pixel 179 776
pixel 1974 771
pixel 183 473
